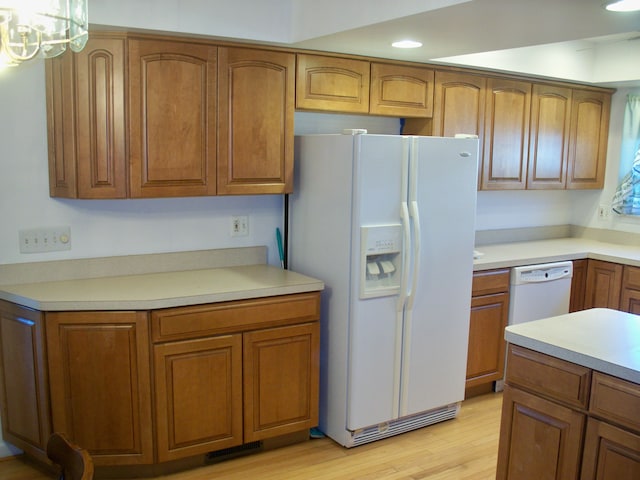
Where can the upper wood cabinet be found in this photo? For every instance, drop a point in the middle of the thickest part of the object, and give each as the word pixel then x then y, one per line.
pixel 589 133
pixel 172 118
pixel 136 116
pixel 255 126
pixel 86 120
pixel 332 83
pixel 348 85
pixel 549 137
pixel 401 91
pixel 506 134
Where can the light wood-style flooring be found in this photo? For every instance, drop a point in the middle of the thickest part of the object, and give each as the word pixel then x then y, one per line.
pixel 464 448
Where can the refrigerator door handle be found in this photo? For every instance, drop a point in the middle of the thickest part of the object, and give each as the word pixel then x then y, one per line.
pixel 415 215
pixel 406 233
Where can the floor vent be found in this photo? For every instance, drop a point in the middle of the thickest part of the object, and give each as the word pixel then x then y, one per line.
pixel 233 452
pixel 402 425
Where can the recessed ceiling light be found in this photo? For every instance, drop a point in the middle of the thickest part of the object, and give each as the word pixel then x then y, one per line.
pixel 623 6
pixel 406 44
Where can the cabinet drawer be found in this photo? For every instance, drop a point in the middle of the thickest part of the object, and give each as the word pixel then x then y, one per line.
pixel 237 316
pixel 490 281
pixel 615 400
pixel 548 376
pixel 631 277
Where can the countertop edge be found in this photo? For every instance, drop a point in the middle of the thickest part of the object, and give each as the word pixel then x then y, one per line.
pixel 573 357
pixel 156 304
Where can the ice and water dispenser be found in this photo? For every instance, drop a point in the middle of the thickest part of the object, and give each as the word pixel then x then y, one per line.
pixel 381 260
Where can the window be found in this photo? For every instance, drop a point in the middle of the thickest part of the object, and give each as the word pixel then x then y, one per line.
pixel 626 200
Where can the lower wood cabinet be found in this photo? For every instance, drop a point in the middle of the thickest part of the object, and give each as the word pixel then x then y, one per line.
pixel 234 372
pixel 606 285
pixel 553 431
pixel 489 315
pixel 99 383
pixel 565 421
pixel 146 387
pixel 198 387
pixel 26 418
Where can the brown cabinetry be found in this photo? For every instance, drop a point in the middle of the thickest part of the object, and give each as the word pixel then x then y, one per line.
pixel 172 118
pixel 255 121
pixel 630 297
pixel 146 387
pixel 235 372
pixel 549 137
pixel 603 285
pixel 135 116
pixel 86 120
pixel 578 285
pixel 401 91
pixel 489 315
pixel 100 388
pixel 332 83
pixel 562 420
pixel 506 134
pixel 24 381
pixel 589 133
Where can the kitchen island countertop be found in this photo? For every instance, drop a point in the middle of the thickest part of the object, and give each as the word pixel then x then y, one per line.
pixel 160 290
pixel 599 338
pixel 543 251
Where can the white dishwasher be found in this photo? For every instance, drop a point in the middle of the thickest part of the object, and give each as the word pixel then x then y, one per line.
pixel 539 291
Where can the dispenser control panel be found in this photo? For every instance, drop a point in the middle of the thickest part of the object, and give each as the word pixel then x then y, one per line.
pixel 381 260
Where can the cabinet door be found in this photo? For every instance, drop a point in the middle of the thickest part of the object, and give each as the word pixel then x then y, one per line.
pixel 101 119
pixel 100 386
pixel 604 283
pixel 485 358
pixel 588 139
pixel 578 285
pixel 630 299
pixel 401 91
pixel 61 133
pixel 332 83
pixel 506 134
pixel 610 453
pixel 172 126
pixel 198 395
pixel 281 375
pixel 24 386
pixel 538 438
pixel 549 137
pixel 256 109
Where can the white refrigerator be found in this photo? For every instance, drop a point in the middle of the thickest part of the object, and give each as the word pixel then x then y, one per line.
pixel 387 222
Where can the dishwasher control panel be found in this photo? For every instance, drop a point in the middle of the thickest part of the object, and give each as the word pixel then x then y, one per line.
pixel 545 272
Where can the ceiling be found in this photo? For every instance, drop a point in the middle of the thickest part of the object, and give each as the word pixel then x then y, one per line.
pixel 571 39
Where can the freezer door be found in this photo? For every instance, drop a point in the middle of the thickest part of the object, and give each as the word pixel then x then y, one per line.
pixel 375 329
pixel 444 179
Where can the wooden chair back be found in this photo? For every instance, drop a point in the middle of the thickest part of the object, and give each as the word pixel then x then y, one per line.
pixel 74 461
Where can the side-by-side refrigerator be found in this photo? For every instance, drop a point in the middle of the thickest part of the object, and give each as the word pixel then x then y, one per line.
pixel 387 222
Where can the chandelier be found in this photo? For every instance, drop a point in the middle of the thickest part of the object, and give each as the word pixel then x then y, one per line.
pixel 32 28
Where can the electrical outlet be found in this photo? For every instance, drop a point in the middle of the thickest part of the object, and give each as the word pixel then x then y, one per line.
pixel 603 212
pixel 37 240
pixel 239 226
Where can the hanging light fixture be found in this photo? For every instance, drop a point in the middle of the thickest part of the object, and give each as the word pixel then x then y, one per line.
pixel 44 28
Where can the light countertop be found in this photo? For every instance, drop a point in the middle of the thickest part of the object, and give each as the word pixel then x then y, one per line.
pixel 601 339
pixel 160 290
pixel 544 251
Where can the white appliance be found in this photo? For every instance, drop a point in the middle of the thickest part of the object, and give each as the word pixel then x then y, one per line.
pixel 387 222
pixel 539 291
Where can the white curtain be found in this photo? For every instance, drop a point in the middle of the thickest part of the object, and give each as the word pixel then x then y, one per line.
pixel 626 200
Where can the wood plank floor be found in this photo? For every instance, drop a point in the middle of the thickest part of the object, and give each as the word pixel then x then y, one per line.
pixel 461 449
